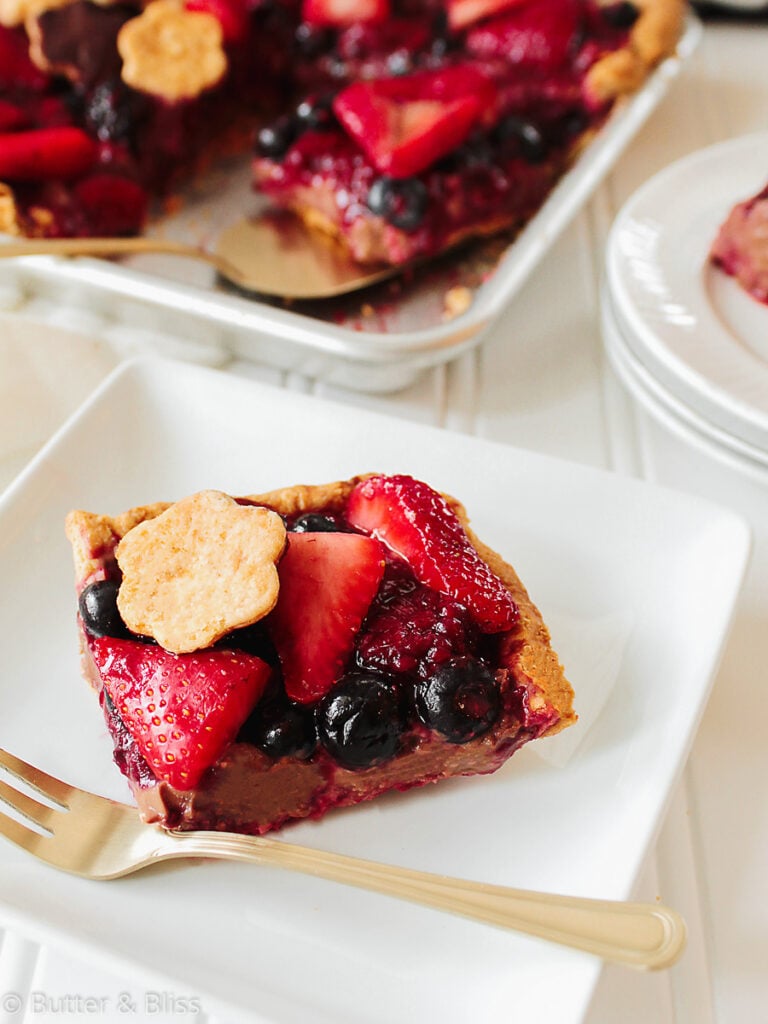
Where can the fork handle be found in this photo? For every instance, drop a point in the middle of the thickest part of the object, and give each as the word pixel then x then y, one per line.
pixel 642 935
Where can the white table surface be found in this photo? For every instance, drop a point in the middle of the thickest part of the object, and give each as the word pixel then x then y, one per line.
pixel 540 381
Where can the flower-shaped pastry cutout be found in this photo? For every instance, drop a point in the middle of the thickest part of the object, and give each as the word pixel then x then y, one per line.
pixel 204 567
pixel 171 52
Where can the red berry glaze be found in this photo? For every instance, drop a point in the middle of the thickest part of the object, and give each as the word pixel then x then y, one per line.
pixel 405 124
pixel 416 522
pixel 11 117
pixel 16 69
pixel 327 584
pixel 113 205
pixel 183 710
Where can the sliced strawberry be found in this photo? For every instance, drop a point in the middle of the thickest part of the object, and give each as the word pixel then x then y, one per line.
pixel 340 13
pixel 11 117
pixel 539 35
pixel 406 123
pixel 232 15
pixel 46 153
pixel 466 12
pixel 417 523
pixel 113 205
pixel 183 710
pixel 327 584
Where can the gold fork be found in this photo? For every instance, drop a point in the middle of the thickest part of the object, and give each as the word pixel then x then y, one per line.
pixel 97 838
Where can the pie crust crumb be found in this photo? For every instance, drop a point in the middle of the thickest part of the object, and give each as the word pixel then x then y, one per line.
pixel 9 223
pixel 457 301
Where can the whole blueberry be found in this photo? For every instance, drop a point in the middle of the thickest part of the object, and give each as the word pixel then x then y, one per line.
pixel 402 202
pixel 477 151
pixel 315 114
pixel 621 15
pixel 281 728
pixel 575 122
pixel 274 140
pixel 313 522
pixel 399 63
pixel 524 136
pixel 113 111
pixel 461 700
pixel 443 39
pixel 312 40
pixel 359 721
pixel 98 609
pixel 254 640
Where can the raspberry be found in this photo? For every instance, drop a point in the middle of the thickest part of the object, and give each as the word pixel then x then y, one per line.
pixel 412 629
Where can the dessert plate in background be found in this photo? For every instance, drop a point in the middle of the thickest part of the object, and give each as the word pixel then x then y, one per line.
pixel 262 945
pixel 688 323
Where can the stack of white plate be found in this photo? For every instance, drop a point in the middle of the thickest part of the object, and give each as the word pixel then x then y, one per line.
pixel 689 344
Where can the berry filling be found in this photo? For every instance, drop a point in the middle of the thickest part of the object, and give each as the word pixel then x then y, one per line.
pixel 391 642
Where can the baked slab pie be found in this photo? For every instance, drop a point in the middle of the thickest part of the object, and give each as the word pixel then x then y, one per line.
pixel 268 658
pixel 399 126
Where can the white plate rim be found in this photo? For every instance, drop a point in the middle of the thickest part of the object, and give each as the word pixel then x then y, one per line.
pixel 680 419
pixel 157 368
pixel 678 334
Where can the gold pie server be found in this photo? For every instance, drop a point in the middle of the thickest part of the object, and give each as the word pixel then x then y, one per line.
pixel 273 256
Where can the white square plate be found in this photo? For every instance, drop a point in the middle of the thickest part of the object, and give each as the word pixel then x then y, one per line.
pixel 271 946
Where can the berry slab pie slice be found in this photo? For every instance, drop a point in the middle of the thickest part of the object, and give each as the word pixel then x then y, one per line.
pixel 268 658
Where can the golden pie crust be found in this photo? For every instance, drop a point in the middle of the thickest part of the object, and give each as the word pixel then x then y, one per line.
pixel 653 38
